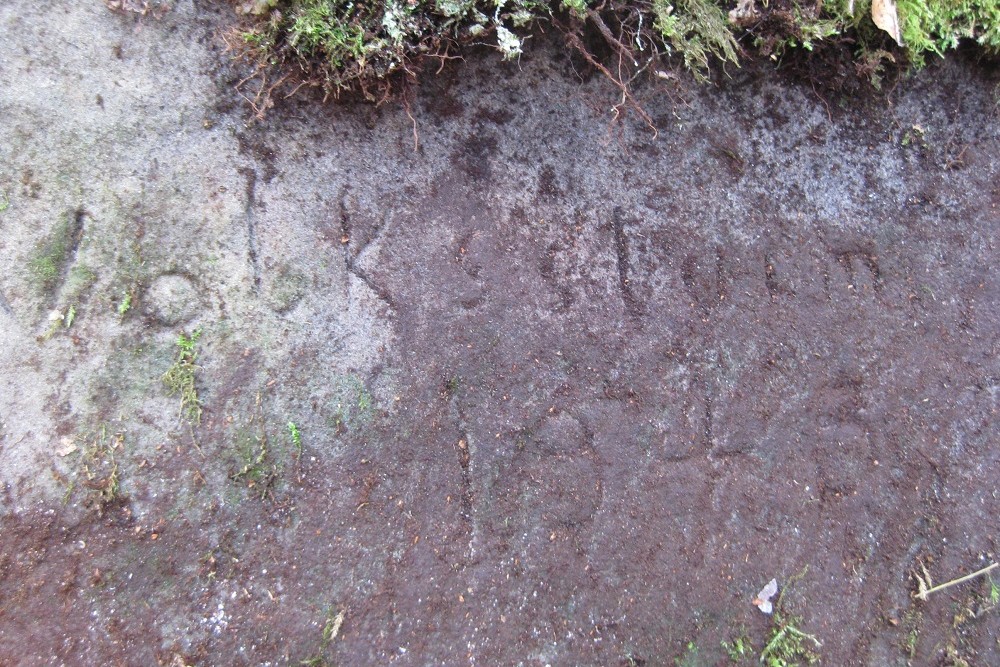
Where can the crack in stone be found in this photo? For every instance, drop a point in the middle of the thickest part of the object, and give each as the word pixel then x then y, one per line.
pixel 464 447
pixel 251 219
pixel 464 460
pixel 79 217
pixel 632 305
pixel 770 277
pixel 5 306
pixel 349 258
pixel 709 435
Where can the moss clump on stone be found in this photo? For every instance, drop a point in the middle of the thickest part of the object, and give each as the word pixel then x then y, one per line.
pixel 935 26
pixel 358 44
pixel 48 261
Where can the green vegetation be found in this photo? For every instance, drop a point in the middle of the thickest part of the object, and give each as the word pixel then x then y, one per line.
pixel 296 436
pixel 356 45
pixel 787 645
pixel 326 28
pixel 690 657
pixel 698 30
pixel 255 466
pixel 976 604
pixel 935 26
pixel 330 631
pixel 80 279
pixel 911 627
pixel 125 304
pixel 96 466
pixel 49 259
pixel 180 377
pixel 101 468
pixel 925 585
pixel 351 404
pixel 56 320
pixel 4 201
pixel 287 289
pixel 739 648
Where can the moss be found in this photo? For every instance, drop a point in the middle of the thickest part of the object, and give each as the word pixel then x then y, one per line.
pixel 180 377
pixel 328 29
pixel 698 30
pixel 351 403
pixel 255 465
pixel 935 26
pixel 346 44
pixel 287 289
pixel 80 279
pixel 48 261
pixel 577 7
pixel 342 44
pixel 97 471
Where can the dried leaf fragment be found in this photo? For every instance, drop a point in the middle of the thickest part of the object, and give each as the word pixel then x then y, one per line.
pixel 67 447
pixel 886 18
pixel 744 13
pixel 763 599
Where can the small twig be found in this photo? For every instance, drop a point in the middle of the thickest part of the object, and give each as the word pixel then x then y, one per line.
pixel 792 580
pixel 387 93
pixel 958 160
pixel 774 642
pixel 445 57
pixel 296 89
pixel 416 139
pixel 194 441
pixel 925 588
pixel 612 41
pixel 804 635
pixel 575 42
pixel 790 630
pixel 823 100
pixel 640 71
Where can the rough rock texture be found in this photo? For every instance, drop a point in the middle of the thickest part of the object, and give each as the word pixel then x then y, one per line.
pixel 563 392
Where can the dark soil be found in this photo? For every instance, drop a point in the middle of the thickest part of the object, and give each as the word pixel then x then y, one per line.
pixel 634 379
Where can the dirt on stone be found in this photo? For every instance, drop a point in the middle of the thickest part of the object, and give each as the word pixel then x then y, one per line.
pixel 548 390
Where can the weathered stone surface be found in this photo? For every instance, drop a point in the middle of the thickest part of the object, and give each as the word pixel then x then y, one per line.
pixel 546 390
pixel 172 299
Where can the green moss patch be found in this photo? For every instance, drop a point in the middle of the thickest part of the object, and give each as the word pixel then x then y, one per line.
pixel 358 44
pixel 935 26
pixel 51 256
